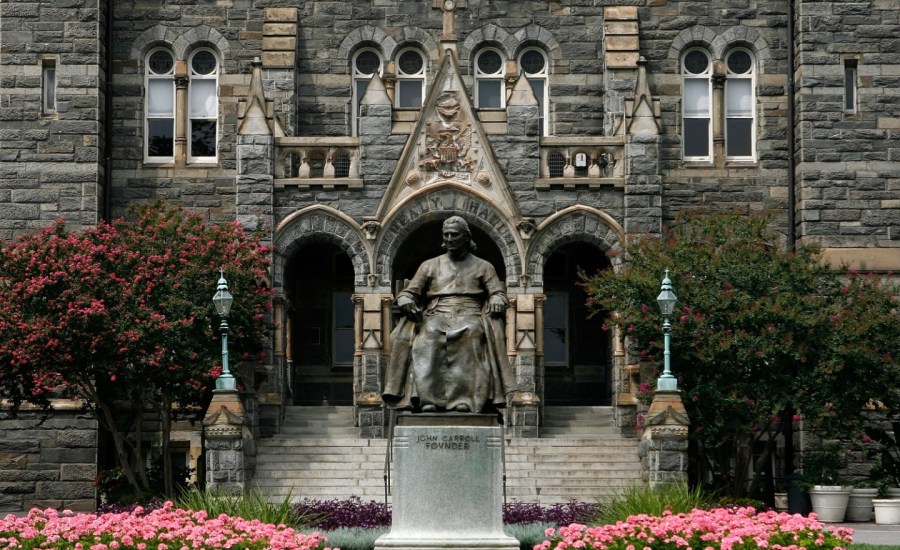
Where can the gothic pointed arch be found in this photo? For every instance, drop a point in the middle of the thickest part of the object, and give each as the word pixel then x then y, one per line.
pixel 320 223
pixel 437 203
pixel 574 224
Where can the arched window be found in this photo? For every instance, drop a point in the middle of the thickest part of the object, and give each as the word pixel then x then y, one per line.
pixel 489 72
pixel 740 105
pixel 696 71
pixel 533 64
pixel 410 91
pixel 203 67
pixel 159 121
pixel 366 63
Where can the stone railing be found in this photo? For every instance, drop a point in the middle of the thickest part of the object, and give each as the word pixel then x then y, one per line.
pixel 326 162
pixel 572 161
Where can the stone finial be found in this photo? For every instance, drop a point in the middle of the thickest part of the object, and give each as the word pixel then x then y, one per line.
pixel 522 94
pixel 376 93
pixel 643 115
pixel 255 120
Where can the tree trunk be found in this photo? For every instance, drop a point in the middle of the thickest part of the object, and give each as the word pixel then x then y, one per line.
pixel 166 424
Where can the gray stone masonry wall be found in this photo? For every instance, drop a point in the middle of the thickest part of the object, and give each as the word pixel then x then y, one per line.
pixel 47 460
pixel 234 30
pixel 328 32
pixel 849 171
pixel 667 28
pixel 49 162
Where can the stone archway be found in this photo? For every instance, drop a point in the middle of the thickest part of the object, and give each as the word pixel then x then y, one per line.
pixel 577 365
pixel 320 223
pixel 438 205
pixel 321 260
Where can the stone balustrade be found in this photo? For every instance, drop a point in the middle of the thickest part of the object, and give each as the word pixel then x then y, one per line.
pixel 326 162
pixel 592 161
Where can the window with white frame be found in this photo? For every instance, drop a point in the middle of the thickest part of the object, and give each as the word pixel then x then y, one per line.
pixel 533 64
pixel 48 86
pixel 204 106
pixel 159 129
pixel 740 102
pixel 365 64
pixel 696 71
pixel 489 89
pixel 410 87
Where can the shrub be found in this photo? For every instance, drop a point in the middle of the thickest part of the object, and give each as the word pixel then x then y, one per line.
pixel 528 534
pixel 558 514
pixel 641 499
pixel 167 527
pixel 351 512
pixel 354 538
pixel 251 505
pixel 717 529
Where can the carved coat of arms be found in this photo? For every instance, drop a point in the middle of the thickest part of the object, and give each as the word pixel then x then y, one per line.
pixel 448 138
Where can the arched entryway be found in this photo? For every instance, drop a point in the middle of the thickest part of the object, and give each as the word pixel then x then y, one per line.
pixel 577 350
pixel 319 284
pixel 425 243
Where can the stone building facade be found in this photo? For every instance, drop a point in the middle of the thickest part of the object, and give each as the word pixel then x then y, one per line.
pixel 557 128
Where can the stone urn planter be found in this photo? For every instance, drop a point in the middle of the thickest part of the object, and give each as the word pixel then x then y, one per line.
pixel 859 507
pixel 887 511
pixel 893 492
pixel 829 502
pixel 781 502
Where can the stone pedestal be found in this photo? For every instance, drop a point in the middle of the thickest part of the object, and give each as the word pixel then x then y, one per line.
pixel 225 439
pixel 447 484
pixel 664 444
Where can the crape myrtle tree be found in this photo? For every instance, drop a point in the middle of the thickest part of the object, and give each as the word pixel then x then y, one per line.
pixel 759 334
pixel 120 317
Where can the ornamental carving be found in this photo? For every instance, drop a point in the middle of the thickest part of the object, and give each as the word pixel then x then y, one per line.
pixel 448 138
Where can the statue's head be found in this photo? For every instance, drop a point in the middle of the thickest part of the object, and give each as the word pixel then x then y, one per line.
pixel 457 236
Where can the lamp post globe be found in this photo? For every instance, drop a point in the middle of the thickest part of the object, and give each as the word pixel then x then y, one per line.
pixel 666 301
pixel 222 301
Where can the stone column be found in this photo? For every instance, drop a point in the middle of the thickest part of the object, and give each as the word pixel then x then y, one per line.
pixel 372 325
pixel 664 444
pixel 226 441
pixel 524 336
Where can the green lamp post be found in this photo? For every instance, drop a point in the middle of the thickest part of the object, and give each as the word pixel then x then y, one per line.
pixel 222 300
pixel 666 301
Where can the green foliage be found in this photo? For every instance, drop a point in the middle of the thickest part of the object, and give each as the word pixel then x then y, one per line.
pixel 757 331
pixel 354 538
pixel 642 499
pixel 251 504
pixel 821 466
pixel 120 317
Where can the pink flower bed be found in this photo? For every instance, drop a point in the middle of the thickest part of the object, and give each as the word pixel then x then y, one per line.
pixel 167 528
pixel 718 529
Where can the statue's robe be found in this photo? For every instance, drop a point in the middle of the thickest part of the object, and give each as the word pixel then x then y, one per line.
pixel 456 353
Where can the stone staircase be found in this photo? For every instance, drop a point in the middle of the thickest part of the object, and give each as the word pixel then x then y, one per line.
pixel 317 455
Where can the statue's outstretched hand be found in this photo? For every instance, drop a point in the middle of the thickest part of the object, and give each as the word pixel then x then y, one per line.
pixel 497 305
pixel 409 308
